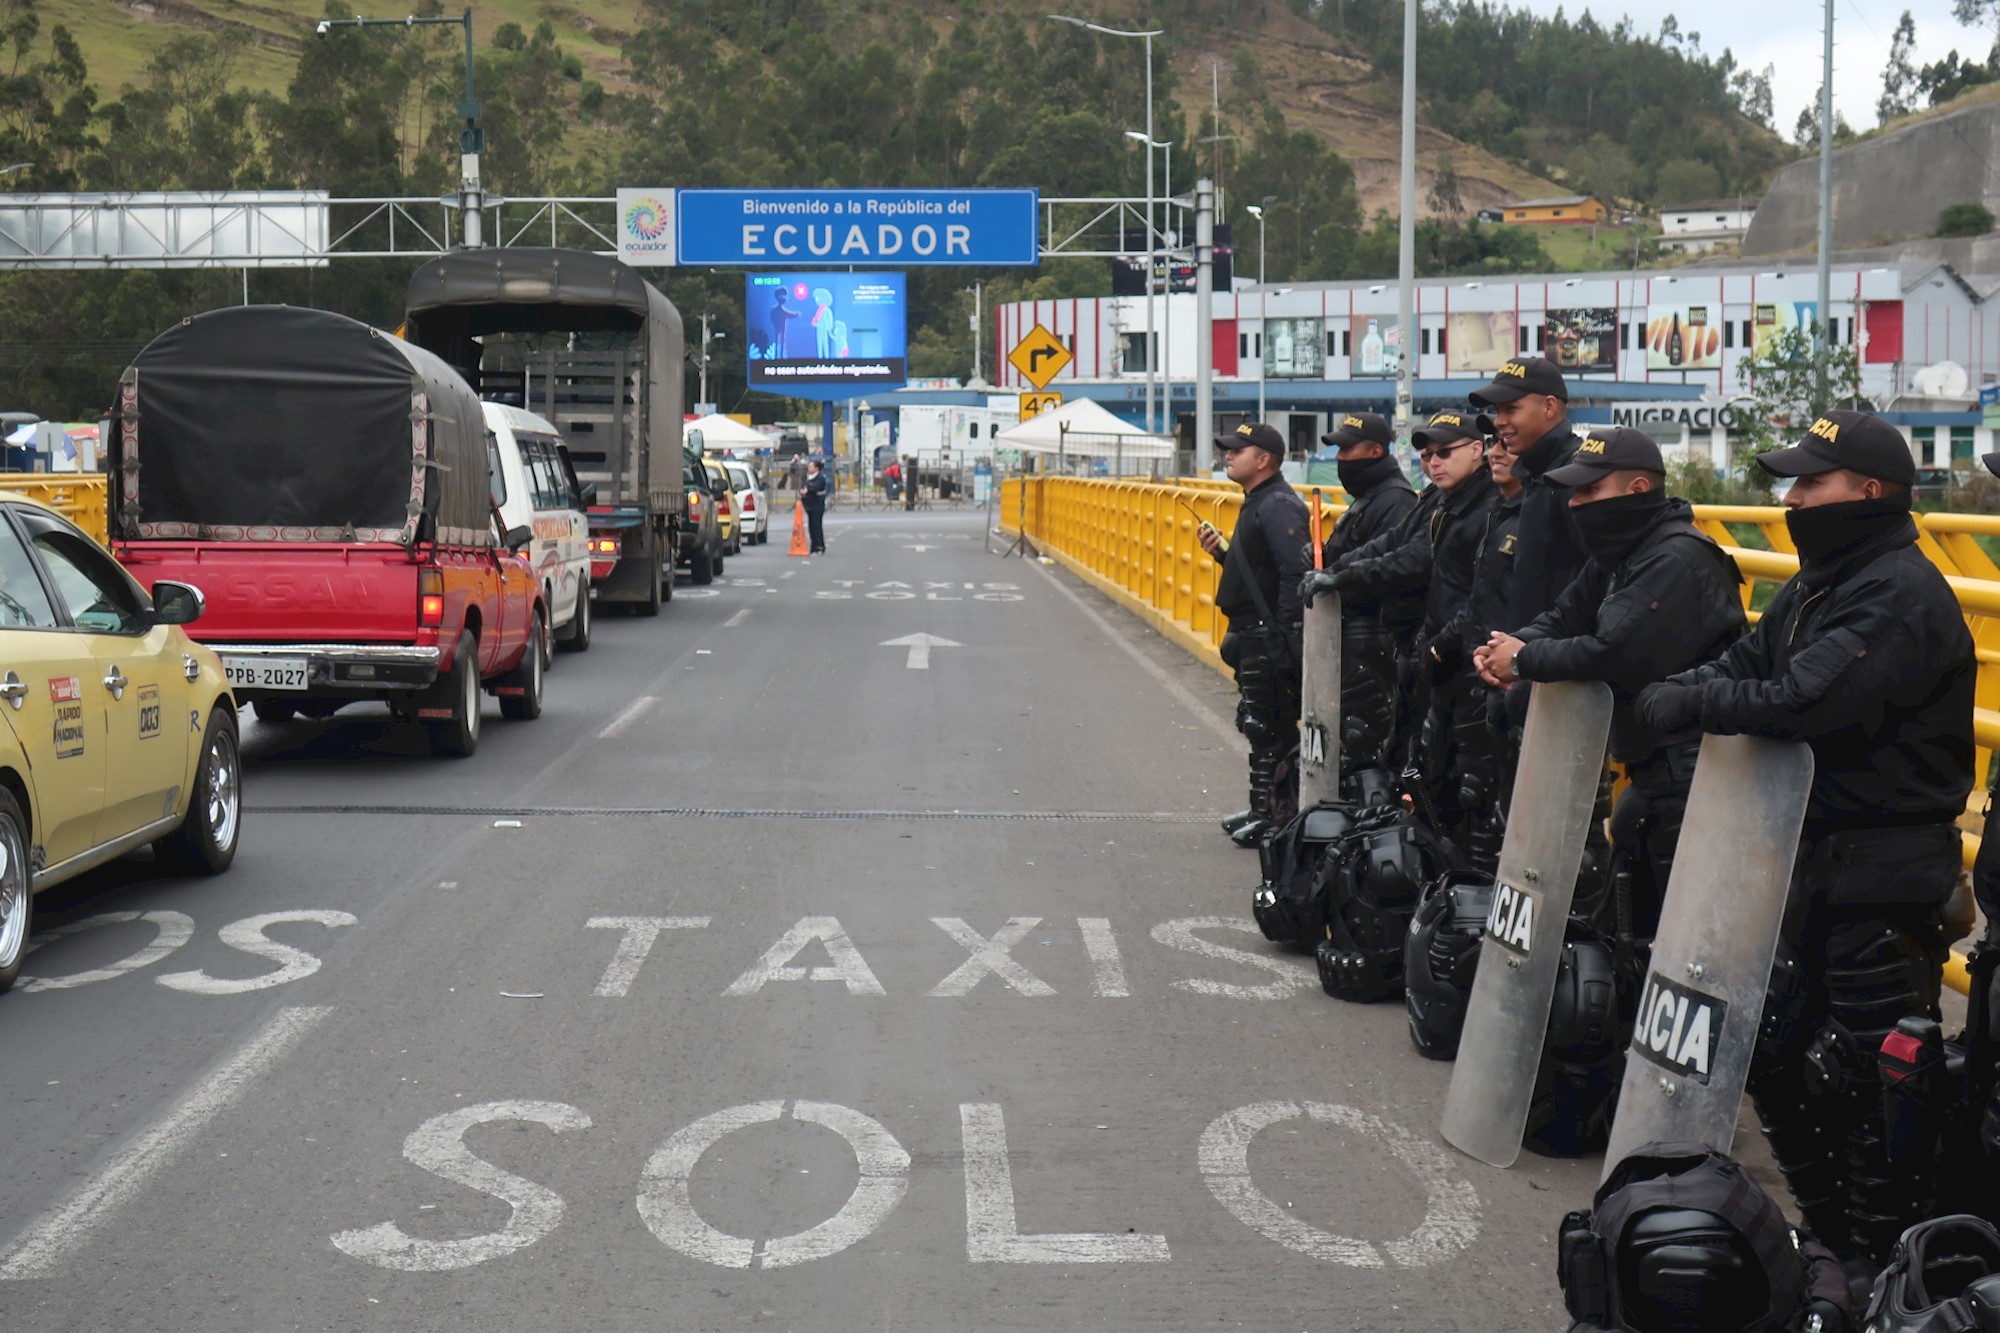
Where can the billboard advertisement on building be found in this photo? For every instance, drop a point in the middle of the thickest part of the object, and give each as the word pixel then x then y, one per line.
pixel 1768 319
pixel 1294 348
pixel 1684 337
pixel 810 333
pixel 1583 339
pixel 1373 342
pixel 1479 342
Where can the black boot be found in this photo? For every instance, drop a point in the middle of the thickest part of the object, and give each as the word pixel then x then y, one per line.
pixel 1230 823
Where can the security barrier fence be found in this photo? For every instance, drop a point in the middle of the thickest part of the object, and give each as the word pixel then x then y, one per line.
pixel 1135 541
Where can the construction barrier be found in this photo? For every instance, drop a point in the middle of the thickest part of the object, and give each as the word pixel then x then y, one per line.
pixel 77 496
pixel 1135 542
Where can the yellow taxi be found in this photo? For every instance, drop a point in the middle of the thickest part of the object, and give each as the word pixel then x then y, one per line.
pixel 116 729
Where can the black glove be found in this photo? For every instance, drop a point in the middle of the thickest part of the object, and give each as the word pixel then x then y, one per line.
pixel 1670 708
pixel 1444 657
pixel 1315 582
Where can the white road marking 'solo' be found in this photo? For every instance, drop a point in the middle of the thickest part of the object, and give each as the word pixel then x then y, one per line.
pixel 40 1251
pixel 993 1235
pixel 1451 1212
pixel 438 1146
pixel 920 646
pixel 668 1211
pixel 174 929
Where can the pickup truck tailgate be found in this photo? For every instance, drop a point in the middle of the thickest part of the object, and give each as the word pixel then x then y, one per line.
pixel 288 592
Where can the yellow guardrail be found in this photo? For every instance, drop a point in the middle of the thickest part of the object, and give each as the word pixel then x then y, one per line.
pixel 1135 542
pixel 77 496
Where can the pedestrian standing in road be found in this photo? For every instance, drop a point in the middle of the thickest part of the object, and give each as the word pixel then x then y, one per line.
pixel 911 479
pixel 1378 498
pixel 1436 561
pixel 892 480
pixel 1865 656
pixel 813 495
pixel 795 471
pixel 1656 596
pixel 1259 596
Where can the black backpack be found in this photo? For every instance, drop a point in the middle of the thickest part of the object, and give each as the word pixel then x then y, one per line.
pixel 1368 891
pixel 1682 1240
pixel 1286 904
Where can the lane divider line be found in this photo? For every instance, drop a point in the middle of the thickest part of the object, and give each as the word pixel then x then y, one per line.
pixel 628 717
pixel 701 812
pixel 738 618
pixel 41 1250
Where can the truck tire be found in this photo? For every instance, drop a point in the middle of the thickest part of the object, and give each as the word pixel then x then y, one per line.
pixel 578 638
pixel 651 605
pixel 702 567
pixel 274 711
pixel 17 894
pixel 527 677
pixel 458 735
pixel 205 842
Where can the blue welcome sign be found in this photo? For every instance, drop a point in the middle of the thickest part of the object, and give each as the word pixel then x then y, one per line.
pixel 796 229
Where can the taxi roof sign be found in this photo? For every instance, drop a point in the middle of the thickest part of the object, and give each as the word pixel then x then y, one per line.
pixel 1040 357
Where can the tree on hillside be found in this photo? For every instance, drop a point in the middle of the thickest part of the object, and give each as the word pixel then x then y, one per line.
pixel 1899 76
pixel 1444 198
pixel 1805 131
pixel 1752 93
pixel 1781 384
pixel 185 128
pixel 46 101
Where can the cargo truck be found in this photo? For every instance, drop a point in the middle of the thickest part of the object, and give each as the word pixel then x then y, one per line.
pixel 585 342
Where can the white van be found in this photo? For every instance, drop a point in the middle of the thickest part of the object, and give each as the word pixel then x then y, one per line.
pixel 535 487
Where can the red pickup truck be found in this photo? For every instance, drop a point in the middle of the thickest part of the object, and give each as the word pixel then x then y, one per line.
pixel 324 484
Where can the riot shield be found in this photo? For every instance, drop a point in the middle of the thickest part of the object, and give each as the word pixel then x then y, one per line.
pixel 1507 1017
pixel 1703 998
pixel 1319 721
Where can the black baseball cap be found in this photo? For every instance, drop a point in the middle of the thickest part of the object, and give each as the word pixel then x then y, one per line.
pixel 1255 435
pixel 1858 441
pixel 1360 428
pixel 1617 449
pixel 1445 427
pixel 1518 379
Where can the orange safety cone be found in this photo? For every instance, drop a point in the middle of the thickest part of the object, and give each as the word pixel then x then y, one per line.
pixel 799 529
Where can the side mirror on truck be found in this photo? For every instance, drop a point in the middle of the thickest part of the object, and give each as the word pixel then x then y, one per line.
pixel 518 538
pixel 586 494
pixel 177 603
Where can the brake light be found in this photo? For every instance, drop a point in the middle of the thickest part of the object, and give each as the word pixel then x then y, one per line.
pixel 604 546
pixel 430 598
pixel 749 504
pixel 694 507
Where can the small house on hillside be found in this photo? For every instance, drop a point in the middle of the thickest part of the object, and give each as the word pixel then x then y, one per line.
pixel 1705 224
pixel 1570 208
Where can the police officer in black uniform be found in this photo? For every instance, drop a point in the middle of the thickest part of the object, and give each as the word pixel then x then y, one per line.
pixel 1259 595
pixel 1528 404
pixel 1434 558
pixel 1864 656
pixel 1378 498
pixel 1657 596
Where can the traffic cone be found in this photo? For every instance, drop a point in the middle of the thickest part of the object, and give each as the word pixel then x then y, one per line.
pixel 799 529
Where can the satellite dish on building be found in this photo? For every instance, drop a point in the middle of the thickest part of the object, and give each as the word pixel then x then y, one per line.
pixel 1946 379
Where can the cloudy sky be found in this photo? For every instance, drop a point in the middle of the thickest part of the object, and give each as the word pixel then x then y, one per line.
pixel 1786 33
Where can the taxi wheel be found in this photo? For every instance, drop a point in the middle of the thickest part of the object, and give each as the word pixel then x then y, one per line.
pixel 205 842
pixel 578 638
pixel 527 677
pixel 458 735
pixel 17 898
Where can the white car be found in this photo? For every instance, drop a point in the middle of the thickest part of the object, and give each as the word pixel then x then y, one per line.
pixel 753 511
pixel 535 487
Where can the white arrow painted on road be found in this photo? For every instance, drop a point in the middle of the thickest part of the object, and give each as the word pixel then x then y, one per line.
pixel 920 646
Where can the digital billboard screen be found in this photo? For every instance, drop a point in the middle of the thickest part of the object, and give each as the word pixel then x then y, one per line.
pixel 823 331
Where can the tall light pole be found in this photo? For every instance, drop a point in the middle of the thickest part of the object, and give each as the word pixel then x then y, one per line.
pixel 706 339
pixel 471 138
pixel 1822 336
pixel 1167 313
pixel 978 318
pixel 1148 35
pixel 1406 249
pixel 1263 298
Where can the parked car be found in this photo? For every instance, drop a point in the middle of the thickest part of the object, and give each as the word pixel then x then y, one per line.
pixel 326 485
pixel 119 729
pixel 754 514
pixel 725 511
pixel 700 550
pixel 535 486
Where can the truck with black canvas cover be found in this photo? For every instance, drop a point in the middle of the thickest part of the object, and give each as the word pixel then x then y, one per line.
pixel 325 484
pixel 585 342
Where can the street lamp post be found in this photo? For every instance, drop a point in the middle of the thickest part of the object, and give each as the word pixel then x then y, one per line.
pixel 1151 355
pixel 1263 297
pixel 1166 358
pixel 471 138
pixel 706 338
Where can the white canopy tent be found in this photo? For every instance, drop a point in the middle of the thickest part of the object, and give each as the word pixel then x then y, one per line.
pixel 720 432
pixel 1082 428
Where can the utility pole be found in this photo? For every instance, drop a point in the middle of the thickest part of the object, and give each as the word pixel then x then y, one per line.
pixel 1204 327
pixel 706 338
pixel 471 200
pixel 978 319
pixel 1822 325
pixel 1406 249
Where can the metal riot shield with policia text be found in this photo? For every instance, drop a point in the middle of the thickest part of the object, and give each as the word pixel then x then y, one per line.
pixel 1319 691
pixel 1703 998
pixel 1507 1016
